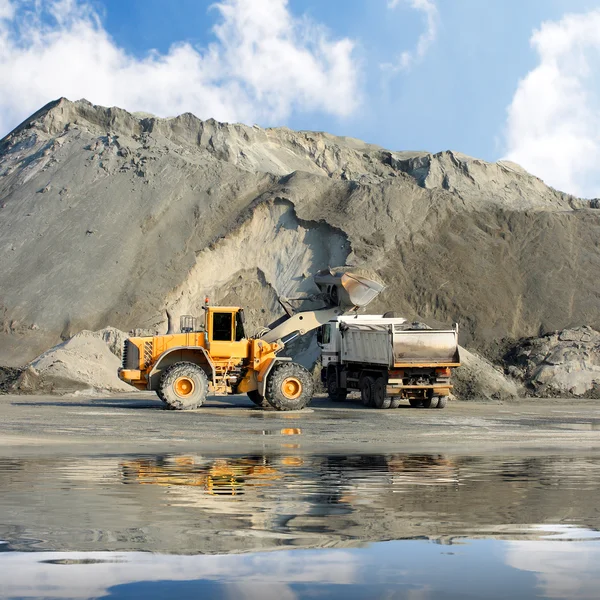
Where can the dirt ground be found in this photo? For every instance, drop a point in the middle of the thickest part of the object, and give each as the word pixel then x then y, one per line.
pixel 81 424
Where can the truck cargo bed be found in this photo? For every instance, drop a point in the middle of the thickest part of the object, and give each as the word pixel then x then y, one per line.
pixel 396 346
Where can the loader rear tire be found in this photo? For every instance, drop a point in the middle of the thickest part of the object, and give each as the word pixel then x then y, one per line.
pixel 258 399
pixel 183 386
pixel 380 399
pixel 289 387
pixel 336 393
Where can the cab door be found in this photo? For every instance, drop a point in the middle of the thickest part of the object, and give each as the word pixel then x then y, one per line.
pixel 226 335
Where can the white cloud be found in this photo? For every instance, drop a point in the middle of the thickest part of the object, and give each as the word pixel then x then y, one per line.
pixel 553 127
pixel 431 16
pixel 252 575
pixel 6 9
pixel 264 64
pixel 562 569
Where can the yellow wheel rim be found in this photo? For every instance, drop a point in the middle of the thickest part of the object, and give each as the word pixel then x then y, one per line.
pixel 184 386
pixel 291 388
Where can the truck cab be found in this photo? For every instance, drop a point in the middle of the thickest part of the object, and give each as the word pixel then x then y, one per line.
pixel 329 336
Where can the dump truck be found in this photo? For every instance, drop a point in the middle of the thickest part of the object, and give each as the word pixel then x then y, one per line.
pixel 388 360
pixel 220 359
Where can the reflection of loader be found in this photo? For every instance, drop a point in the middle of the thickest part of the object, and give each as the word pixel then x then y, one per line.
pixel 224 477
pixel 183 368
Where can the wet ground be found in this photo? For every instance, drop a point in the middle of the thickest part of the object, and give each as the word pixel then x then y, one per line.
pixel 113 497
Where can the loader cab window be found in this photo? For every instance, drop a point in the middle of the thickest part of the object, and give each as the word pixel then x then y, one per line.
pixel 222 327
pixel 239 326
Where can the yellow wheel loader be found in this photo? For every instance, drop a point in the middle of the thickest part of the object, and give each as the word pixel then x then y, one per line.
pixel 219 359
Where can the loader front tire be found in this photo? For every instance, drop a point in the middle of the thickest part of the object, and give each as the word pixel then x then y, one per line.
pixel 183 386
pixel 289 387
pixel 258 399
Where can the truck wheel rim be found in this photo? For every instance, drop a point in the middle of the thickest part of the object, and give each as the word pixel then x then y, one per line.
pixel 184 386
pixel 291 388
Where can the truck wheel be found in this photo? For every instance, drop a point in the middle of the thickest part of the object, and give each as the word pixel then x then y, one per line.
pixel 443 400
pixel 415 402
pixel 431 402
pixel 183 386
pixel 258 399
pixel 366 390
pixel 290 387
pixel 396 402
pixel 380 399
pixel 336 393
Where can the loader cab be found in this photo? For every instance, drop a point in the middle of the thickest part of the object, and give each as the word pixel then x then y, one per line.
pixel 225 331
pixel 225 324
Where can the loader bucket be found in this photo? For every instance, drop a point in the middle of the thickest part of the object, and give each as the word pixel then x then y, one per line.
pixel 347 290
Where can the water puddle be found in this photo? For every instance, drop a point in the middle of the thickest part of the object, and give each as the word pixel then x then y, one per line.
pixel 300 525
pixel 284 431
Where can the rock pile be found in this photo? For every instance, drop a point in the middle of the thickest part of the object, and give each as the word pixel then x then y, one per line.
pixel 564 363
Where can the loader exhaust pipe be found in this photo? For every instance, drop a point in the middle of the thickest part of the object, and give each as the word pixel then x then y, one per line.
pixel 346 290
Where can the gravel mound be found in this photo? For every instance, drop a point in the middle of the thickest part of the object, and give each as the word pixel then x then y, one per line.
pixel 564 363
pixel 87 362
pixel 109 217
pixel 479 379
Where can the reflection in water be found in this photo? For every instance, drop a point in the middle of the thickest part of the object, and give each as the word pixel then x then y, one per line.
pixel 520 526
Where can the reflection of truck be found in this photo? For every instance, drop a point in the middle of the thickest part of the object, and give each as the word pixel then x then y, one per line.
pixel 387 360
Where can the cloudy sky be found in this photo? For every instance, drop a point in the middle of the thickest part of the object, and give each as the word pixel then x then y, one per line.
pixel 516 79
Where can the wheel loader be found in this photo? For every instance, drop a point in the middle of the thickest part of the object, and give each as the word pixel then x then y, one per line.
pixel 219 359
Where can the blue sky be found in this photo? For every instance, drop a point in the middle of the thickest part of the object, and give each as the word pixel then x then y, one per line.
pixel 476 84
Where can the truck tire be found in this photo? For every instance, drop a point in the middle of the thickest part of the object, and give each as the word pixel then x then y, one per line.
pixel 289 387
pixel 396 401
pixel 431 402
pixel 183 386
pixel 366 385
pixel 380 398
pixel 336 393
pixel 443 400
pixel 258 399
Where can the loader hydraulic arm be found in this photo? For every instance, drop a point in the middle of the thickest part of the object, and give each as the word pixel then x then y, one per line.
pixel 341 292
pixel 300 324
